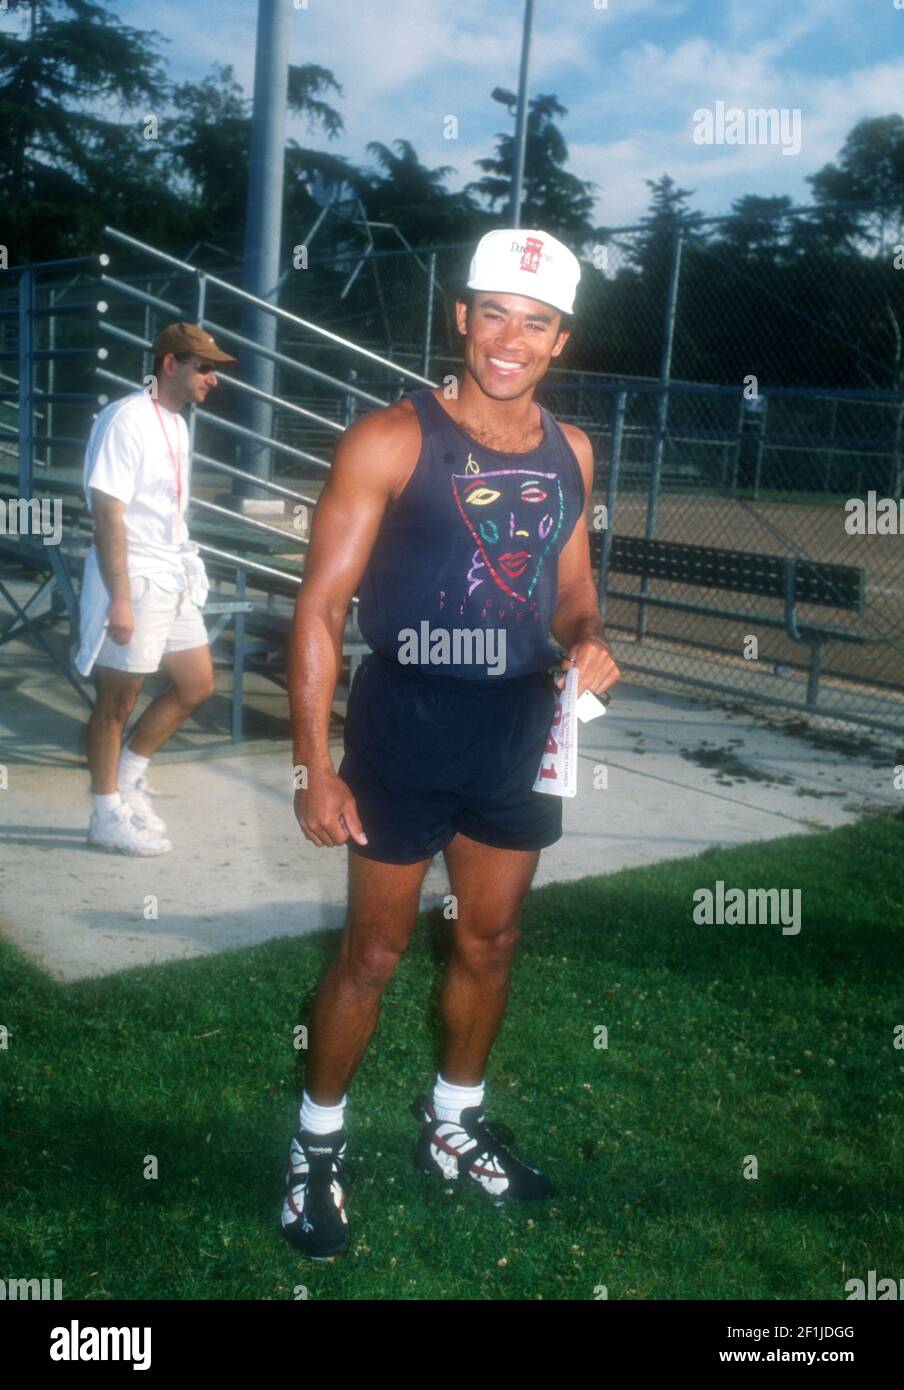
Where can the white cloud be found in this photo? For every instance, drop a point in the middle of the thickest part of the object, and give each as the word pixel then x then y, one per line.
pixel 659 87
pixel 631 77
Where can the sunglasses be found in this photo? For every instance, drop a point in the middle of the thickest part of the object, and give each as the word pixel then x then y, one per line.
pixel 202 367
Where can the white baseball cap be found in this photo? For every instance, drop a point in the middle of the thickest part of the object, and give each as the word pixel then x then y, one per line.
pixel 521 260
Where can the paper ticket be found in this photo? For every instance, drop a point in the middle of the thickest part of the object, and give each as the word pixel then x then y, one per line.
pixel 558 771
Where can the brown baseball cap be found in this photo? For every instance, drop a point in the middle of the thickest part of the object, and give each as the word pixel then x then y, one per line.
pixel 188 337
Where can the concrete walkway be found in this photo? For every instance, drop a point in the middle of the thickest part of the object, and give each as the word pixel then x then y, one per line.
pixel 682 775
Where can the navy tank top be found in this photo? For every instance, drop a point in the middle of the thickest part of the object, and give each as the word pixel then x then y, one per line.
pixel 463 577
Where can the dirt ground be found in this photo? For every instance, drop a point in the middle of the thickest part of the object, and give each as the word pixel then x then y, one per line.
pixel 773 528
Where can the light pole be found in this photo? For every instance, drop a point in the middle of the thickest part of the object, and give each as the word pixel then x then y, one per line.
pixel 263 229
pixel 521 119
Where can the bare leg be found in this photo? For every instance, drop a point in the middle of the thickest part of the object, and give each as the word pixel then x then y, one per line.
pixel 117 692
pixel 383 902
pixel 191 673
pixel 490 885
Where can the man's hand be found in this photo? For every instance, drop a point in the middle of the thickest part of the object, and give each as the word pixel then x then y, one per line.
pixel 327 813
pixel 595 663
pixel 120 621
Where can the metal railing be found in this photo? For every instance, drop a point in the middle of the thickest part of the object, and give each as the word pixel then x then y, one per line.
pixel 204 280
pixel 31 400
pixel 27 316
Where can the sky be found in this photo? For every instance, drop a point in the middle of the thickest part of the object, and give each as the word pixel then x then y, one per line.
pixel 631 73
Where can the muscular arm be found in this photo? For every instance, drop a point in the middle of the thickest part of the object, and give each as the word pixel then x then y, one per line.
pixel 576 623
pixel 577 615
pixel 370 458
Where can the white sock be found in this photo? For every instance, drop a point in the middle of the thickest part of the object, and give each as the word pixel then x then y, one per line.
pixel 449 1101
pixel 105 802
pixel 132 767
pixel 320 1119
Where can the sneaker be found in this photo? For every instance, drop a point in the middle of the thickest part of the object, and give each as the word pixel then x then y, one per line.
pixel 120 832
pixel 313 1214
pixel 479 1149
pixel 136 798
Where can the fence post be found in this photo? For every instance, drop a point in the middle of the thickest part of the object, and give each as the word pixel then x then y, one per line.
pixel 26 383
pixel 238 658
pixel 618 431
pixel 428 328
pixel 760 447
pixel 739 440
pixel 662 414
pixel 50 378
pixel 897 459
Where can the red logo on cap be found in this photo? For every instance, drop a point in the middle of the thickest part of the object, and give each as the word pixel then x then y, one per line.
pixel 531 258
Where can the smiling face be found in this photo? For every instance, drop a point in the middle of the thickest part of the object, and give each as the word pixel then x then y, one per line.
pixel 509 341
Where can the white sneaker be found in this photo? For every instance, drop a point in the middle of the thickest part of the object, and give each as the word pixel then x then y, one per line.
pixel 136 798
pixel 119 831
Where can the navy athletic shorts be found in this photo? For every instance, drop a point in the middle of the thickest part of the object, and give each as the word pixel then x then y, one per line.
pixel 427 756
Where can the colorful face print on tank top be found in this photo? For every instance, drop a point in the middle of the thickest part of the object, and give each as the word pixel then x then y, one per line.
pixel 514 516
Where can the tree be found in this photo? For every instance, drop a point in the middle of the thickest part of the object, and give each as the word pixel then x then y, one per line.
pixel 651 251
pixel 756 230
pixel 207 146
pixel 206 150
pixel 870 169
pixel 414 198
pixel 70 66
pixel 553 198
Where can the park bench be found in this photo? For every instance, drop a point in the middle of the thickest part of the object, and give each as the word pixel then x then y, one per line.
pixel 790 580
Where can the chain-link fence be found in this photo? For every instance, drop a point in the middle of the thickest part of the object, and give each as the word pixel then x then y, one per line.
pixel 742 385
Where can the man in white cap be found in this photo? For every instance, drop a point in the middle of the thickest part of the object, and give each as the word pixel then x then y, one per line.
pixel 144 586
pixel 459 516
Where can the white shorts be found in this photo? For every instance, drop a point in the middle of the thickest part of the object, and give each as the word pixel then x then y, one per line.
pixel 164 622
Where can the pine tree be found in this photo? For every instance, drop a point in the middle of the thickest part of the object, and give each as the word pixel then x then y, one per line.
pixel 552 198
pixel 67 68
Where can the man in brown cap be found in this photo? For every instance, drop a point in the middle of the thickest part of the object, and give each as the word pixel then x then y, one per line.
pixel 144 585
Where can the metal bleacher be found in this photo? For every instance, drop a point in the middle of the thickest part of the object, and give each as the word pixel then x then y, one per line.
pixel 74 324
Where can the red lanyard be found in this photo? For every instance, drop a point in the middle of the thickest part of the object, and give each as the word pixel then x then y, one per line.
pixel 174 460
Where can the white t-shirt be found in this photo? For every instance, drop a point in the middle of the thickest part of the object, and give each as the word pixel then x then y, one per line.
pixel 133 454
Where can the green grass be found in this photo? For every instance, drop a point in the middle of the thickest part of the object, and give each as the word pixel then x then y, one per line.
pixel 724 1041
